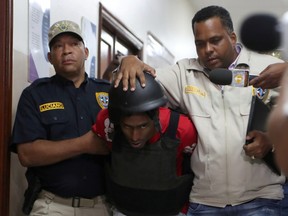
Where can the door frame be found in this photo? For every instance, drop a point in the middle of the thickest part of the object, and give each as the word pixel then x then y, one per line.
pixel 6 51
pixel 120 32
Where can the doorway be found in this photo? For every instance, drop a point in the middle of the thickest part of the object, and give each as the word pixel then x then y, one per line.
pixel 115 40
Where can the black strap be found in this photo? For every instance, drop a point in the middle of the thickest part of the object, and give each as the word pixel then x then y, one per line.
pixel 173 124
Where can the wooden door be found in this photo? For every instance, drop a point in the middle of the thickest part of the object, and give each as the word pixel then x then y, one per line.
pixel 6 21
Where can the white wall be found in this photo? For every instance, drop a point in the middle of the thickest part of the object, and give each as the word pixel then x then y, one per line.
pixel 168 20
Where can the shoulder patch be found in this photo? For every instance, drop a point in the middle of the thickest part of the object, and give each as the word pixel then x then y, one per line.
pixel 102 99
pixel 261 93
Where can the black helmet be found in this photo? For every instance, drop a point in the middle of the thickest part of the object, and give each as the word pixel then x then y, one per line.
pixel 140 100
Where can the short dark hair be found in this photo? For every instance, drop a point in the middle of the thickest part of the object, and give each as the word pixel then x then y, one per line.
pixel 214 11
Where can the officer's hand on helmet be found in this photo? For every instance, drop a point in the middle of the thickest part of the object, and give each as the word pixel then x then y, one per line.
pixel 130 68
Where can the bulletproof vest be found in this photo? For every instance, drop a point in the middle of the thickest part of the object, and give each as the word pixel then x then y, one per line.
pixel 144 181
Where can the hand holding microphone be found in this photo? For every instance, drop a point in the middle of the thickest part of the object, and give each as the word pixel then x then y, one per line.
pixel 264 32
pixel 270 77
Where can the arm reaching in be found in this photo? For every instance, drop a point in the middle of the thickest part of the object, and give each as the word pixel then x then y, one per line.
pixel 130 68
pixel 270 77
pixel 46 152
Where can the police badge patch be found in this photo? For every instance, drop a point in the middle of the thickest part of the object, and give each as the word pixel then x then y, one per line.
pixel 261 93
pixel 102 99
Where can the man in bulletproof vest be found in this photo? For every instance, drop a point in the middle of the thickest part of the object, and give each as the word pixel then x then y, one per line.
pixel 149 169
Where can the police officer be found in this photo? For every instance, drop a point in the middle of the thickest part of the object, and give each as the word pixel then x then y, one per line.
pixel 52 132
pixel 149 146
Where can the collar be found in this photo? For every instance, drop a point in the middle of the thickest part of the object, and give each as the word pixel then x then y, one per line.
pixel 238 48
pixel 63 81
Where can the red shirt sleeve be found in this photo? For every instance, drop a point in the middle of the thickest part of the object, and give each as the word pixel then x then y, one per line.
pixel 187 134
pixel 103 127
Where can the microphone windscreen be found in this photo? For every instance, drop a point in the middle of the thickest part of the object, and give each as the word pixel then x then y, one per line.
pixel 220 76
pixel 260 33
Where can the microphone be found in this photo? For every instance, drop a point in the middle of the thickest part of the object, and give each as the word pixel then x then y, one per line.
pixel 263 32
pixel 220 76
pixel 236 77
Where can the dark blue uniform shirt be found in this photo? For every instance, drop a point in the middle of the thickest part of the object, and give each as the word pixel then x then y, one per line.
pixel 53 109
